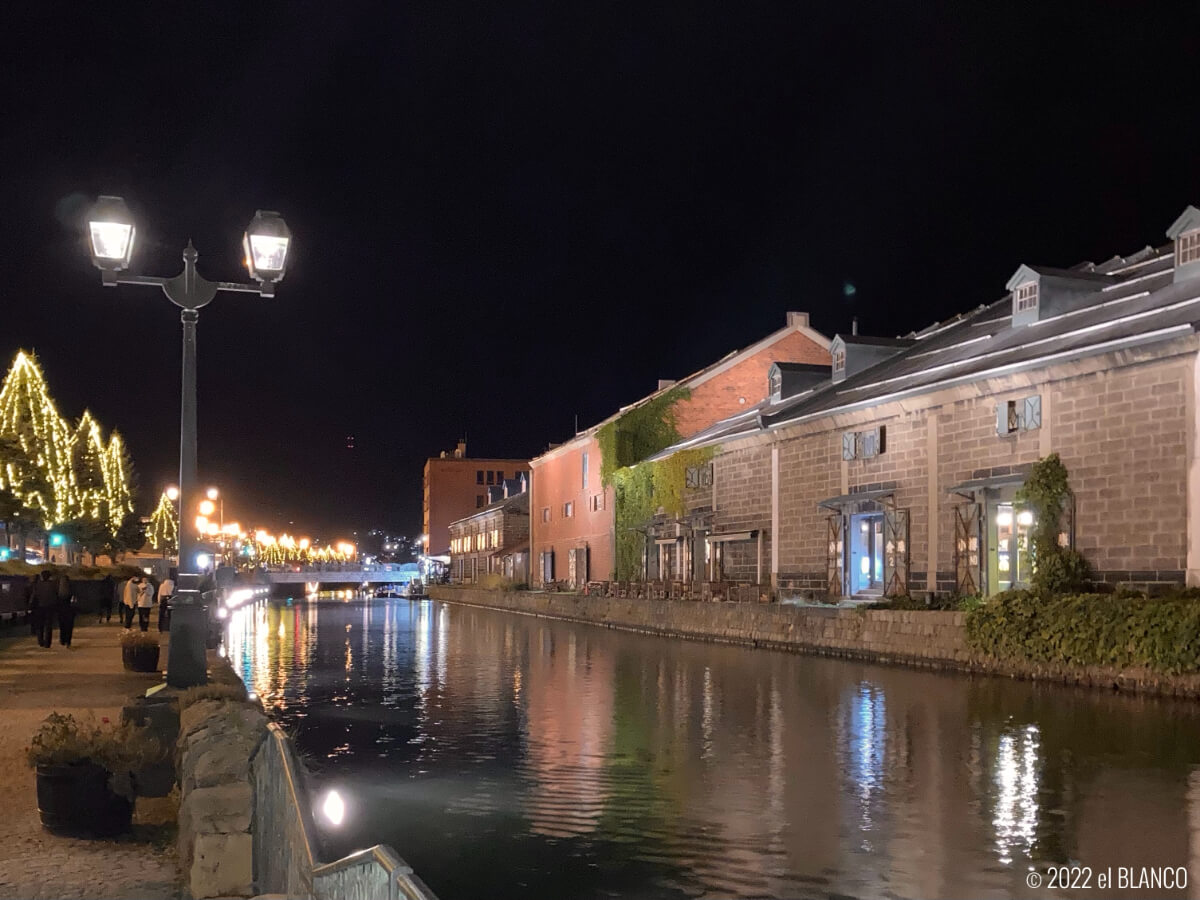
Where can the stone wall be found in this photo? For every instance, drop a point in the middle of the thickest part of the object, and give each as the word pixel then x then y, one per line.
pixel 928 639
pixel 217 740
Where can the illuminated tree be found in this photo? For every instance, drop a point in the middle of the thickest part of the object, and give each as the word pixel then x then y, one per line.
pixel 54 474
pixel 88 464
pixel 40 475
pixel 164 526
pixel 120 482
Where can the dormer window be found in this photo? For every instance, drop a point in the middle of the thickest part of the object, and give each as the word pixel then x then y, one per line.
pixel 775 384
pixel 1187 248
pixel 1025 297
pixel 1185 232
pixel 839 360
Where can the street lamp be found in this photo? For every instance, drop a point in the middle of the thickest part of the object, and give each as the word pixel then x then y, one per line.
pixel 214 495
pixel 266 241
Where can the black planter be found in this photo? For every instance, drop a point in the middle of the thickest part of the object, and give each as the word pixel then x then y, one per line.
pixel 140 659
pixel 155 781
pixel 76 800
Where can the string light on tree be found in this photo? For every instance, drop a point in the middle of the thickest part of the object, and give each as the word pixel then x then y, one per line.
pixel 57 472
pixel 164 525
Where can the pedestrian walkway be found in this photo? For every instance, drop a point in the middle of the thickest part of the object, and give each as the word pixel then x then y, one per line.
pixel 34 863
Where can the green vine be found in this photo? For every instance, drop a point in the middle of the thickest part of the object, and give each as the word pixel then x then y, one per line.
pixel 1046 491
pixel 1120 630
pixel 639 433
pixel 645 491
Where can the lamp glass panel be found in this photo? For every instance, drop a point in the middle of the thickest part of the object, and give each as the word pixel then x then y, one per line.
pixel 110 240
pixel 270 252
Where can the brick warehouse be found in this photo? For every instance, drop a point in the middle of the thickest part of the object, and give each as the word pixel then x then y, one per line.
pixel 571 513
pixel 494 540
pixel 455 485
pixel 898 474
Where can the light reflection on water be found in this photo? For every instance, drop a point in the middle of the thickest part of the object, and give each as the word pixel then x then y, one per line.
pixel 568 761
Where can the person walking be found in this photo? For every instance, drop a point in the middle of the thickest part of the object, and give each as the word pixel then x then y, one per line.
pixel 108 588
pixel 145 603
pixel 45 595
pixel 129 601
pixel 166 590
pixel 66 610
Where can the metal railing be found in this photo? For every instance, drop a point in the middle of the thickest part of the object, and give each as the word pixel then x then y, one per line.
pixel 285 861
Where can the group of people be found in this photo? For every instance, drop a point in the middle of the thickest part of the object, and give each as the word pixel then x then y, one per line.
pixel 51 600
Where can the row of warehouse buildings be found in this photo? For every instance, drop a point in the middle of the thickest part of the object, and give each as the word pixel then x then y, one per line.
pixel 860 466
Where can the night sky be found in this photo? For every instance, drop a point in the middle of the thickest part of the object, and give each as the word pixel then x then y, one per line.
pixel 507 216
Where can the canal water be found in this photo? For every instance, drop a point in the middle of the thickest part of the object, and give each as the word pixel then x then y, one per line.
pixel 512 757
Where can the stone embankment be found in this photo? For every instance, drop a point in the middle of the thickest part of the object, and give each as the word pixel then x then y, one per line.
pixel 928 639
pixel 217 740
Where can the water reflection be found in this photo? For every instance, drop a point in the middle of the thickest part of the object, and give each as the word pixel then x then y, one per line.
pixel 579 762
pixel 1015 819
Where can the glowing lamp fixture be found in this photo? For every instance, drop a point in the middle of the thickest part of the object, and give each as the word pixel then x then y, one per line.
pixel 207 507
pixel 111 229
pixel 1025 517
pixel 212 493
pixel 266 243
pixel 172 493
pixel 202 524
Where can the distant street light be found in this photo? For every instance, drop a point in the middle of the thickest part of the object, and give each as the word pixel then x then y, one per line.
pixel 267 241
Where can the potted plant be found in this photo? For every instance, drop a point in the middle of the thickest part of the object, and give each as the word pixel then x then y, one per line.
pixel 139 651
pixel 85 773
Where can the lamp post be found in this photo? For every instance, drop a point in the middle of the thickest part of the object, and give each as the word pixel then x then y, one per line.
pixel 266 243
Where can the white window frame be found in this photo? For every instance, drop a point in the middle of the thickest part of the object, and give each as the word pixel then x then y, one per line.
pixel 1187 247
pixel 1025 296
pixel 568 509
pixel 839 359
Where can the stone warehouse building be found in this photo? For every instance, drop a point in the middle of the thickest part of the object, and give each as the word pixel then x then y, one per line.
pixel 572 512
pixel 455 485
pixel 898 474
pixel 495 540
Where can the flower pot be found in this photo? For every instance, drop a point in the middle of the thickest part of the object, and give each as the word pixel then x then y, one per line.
pixel 155 781
pixel 76 800
pixel 140 659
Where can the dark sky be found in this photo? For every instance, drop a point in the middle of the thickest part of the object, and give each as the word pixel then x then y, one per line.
pixel 507 216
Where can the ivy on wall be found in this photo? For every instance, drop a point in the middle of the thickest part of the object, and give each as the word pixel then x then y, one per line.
pixel 1119 630
pixel 639 433
pixel 1057 569
pixel 643 492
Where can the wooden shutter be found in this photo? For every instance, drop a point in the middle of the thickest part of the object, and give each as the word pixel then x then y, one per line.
pixel 1032 415
pixel 835 557
pixel 895 552
pixel 577 561
pixel 967 521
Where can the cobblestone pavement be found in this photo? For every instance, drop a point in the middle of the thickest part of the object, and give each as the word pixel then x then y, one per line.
pixel 34 863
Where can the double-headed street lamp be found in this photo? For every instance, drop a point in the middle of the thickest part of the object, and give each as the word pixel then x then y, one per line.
pixel 266 243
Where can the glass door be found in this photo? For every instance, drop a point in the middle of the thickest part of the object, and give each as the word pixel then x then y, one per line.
pixel 1011 559
pixel 866 553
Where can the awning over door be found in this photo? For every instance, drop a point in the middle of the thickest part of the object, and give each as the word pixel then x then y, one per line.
pixel 836 503
pixel 993 481
pixel 731 536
